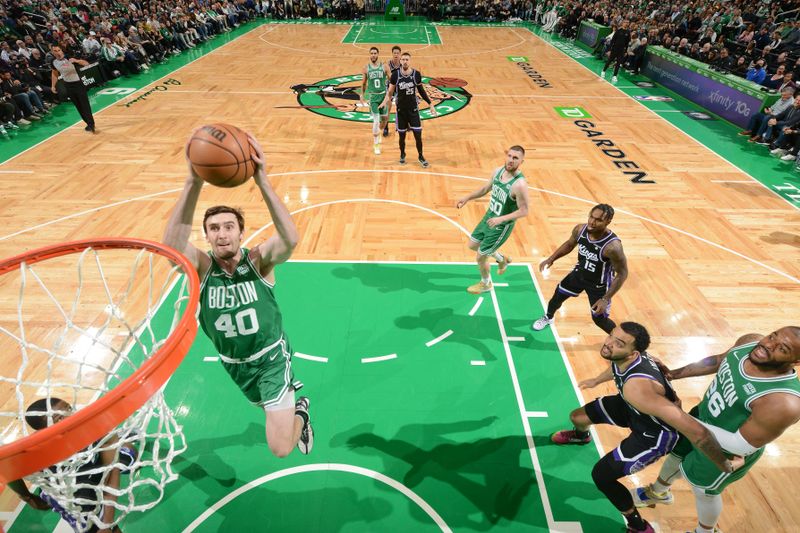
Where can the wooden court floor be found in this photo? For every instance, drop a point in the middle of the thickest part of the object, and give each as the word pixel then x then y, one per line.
pixel 708 261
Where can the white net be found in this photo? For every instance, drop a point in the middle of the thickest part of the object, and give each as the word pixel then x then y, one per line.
pixel 71 329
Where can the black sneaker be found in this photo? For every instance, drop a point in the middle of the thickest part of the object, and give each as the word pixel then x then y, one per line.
pixel 424 163
pixel 306 441
pixel 402 160
pixel 386 131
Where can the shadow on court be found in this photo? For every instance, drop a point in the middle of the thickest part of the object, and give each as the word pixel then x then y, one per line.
pixel 485 472
pixel 469 331
pixel 323 510
pixel 202 467
pixel 391 278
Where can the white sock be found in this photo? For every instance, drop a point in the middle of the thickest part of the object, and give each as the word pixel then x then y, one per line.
pixel 709 509
pixel 486 280
pixel 670 471
pixel 498 257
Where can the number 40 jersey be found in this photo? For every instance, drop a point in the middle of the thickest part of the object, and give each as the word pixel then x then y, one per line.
pixel 239 312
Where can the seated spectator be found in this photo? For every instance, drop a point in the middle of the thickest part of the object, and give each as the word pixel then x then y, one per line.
pixel 762 38
pixel 114 58
pixel 786 118
pixel 792 38
pixel 746 36
pixel 684 48
pixel 710 36
pixel 754 126
pixel 22 49
pixel 703 53
pixel 636 60
pixel 788 81
pixel 756 73
pixel 775 81
pixel 91 46
pixel 740 66
pixel 26 98
pixel 724 61
pixel 776 41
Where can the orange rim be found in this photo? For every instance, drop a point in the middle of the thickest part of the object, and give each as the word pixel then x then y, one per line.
pixel 55 443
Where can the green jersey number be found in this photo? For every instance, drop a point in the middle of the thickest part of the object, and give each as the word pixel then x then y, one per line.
pixel 495 206
pixel 378 82
pixel 246 323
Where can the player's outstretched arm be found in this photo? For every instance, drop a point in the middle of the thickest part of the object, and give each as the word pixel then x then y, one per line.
pixel 21 489
pixel 565 248
pixel 710 364
pixel 278 248
pixel 605 375
pixel 475 194
pixel 179 226
pixel 647 396
pixel 112 481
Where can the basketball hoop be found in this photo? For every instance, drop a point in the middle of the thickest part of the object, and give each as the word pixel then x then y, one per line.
pixel 97 356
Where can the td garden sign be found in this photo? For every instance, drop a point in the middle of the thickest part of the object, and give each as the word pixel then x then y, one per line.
pixel 339 98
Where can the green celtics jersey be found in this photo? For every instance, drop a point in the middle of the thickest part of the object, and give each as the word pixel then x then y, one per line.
pixel 239 312
pixel 500 202
pixel 376 80
pixel 726 403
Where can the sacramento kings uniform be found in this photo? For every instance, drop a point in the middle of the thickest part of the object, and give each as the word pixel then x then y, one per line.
pixel 376 89
pixel 240 315
pixel 726 404
pixel 500 203
pixel 593 272
pixel 650 438
pixel 406 86
pixel 85 498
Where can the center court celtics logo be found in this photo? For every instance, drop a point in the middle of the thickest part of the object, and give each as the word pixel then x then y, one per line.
pixel 339 97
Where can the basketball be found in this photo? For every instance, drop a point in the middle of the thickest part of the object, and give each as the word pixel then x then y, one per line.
pixel 221 155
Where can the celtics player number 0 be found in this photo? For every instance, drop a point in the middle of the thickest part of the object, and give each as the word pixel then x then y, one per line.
pixel 225 324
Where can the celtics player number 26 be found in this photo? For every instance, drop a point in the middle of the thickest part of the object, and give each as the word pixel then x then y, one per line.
pixel 246 323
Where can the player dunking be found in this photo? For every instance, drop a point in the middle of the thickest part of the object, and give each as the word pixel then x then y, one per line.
pixel 394 64
pixel 600 271
pixel 508 202
pixel 238 310
pixel 374 78
pixel 753 398
pixel 407 82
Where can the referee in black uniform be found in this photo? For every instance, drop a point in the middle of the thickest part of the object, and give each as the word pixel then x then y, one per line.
pixel 75 87
pixel 619 46
pixel 407 82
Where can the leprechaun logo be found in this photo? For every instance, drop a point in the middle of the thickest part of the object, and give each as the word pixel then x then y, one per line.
pixel 339 98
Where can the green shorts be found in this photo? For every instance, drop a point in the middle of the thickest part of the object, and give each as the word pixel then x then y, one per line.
pixel 700 472
pixel 491 239
pixel 266 380
pixel 374 101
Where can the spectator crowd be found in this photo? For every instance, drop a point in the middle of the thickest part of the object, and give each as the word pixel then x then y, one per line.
pixel 756 39
pixel 122 38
